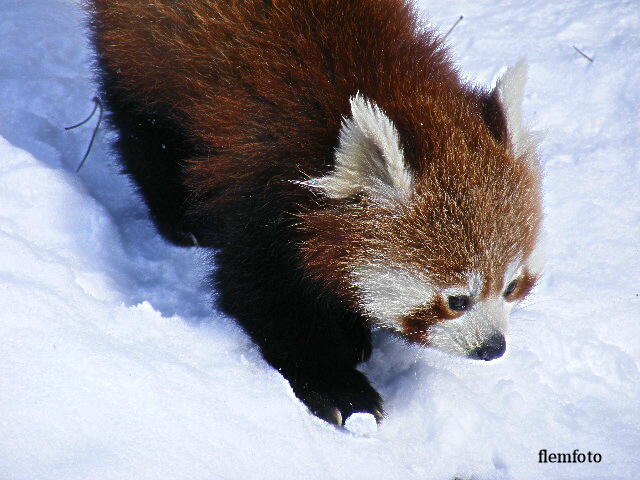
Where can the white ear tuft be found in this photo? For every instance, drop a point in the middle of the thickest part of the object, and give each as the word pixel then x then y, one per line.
pixel 510 92
pixel 369 157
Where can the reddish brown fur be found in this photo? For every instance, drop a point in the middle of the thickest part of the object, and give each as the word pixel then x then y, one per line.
pixel 261 89
pixel 267 98
pixel 416 324
pixel 525 284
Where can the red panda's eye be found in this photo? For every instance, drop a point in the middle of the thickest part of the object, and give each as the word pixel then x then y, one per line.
pixel 459 303
pixel 510 288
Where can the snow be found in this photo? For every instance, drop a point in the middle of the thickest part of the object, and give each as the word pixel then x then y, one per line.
pixel 113 365
pixel 361 424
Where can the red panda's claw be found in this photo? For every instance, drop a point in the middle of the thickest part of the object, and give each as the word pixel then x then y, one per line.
pixel 339 395
pixel 335 417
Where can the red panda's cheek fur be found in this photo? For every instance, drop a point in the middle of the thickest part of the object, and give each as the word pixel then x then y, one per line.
pixel 339 238
pixel 327 258
pixel 415 325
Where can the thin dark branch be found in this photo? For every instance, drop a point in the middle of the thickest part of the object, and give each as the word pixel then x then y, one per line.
pixel 452 27
pixel 95 106
pixel 583 54
pixel 98 107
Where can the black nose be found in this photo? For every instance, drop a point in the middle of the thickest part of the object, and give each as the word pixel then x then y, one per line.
pixel 492 348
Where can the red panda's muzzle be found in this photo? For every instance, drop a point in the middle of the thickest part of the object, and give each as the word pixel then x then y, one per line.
pixel 494 347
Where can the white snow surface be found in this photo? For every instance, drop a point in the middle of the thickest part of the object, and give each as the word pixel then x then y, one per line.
pixel 114 366
pixel 361 424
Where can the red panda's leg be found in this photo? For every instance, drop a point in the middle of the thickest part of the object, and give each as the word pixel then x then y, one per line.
pixel 318 358
pixel 335 395
pixel 151 149
pixel 310 337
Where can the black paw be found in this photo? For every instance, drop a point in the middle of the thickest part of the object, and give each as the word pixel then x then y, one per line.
pixel 336 395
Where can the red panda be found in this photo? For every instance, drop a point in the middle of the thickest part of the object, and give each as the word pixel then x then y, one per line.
pixel 344 176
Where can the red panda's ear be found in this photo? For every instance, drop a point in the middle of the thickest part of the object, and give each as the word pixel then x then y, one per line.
pixel 508 93
pixel 369 158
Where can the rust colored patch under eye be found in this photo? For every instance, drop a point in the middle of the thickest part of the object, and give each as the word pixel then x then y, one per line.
pixel 525 284
pixel 416 324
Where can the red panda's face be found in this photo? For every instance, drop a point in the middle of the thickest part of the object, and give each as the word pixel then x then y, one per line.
pixel 468 317
pixel 472 324
pixel 442 274
pixel 439 247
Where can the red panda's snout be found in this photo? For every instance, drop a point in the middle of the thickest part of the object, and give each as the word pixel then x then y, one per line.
pixel 479 332
pixel 491 348
pixel 468 320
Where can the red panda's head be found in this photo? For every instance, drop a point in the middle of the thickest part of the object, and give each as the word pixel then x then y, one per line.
pixel 436 236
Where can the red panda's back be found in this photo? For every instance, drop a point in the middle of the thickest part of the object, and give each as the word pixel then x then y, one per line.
pixel 263 84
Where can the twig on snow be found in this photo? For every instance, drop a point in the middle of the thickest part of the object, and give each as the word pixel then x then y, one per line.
pixel 452 27
pixel 583 54
pixel 97 106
